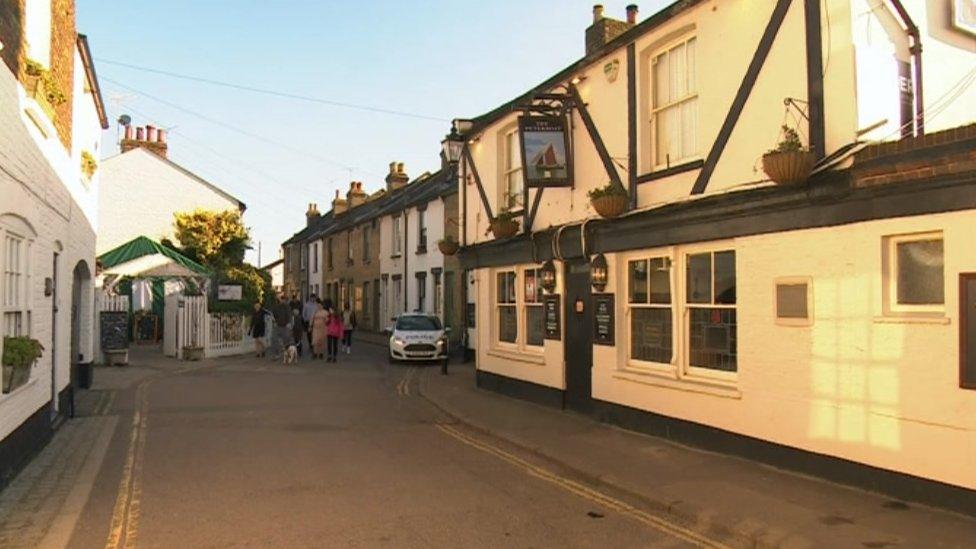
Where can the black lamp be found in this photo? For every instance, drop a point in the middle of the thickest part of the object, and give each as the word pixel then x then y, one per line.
pixel 548 276
pixel 452 146
pixel 598 272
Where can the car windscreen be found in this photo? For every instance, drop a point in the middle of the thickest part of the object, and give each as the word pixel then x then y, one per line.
pixel 418 323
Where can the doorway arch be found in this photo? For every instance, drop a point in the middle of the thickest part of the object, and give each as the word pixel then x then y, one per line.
pixel 82 313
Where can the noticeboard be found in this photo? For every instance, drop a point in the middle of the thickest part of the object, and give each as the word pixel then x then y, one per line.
pixel 552 317
pixel 114 331
pixel 603 319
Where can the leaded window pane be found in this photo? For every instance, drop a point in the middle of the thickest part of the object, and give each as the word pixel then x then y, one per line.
pixel 637 281
pixel 712 339
pixel 920 272
pixel 534 325
pixel 699 278
pixel 651 336
pixel 725 278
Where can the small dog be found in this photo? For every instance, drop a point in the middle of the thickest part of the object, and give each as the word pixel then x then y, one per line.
pixel 290 355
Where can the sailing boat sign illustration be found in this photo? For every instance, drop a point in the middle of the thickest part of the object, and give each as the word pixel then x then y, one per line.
pixel 545 151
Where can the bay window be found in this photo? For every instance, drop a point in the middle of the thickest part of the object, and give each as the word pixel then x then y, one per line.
pixel 674 104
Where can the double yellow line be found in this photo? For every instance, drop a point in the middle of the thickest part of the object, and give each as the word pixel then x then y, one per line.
pixel 583 491
pixel 403 387
pixel 125 515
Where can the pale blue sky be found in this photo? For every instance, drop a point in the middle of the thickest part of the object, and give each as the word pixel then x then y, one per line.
pixel 437 58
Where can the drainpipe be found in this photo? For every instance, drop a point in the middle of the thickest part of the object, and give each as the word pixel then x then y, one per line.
pixel 916 50
pixel 406 254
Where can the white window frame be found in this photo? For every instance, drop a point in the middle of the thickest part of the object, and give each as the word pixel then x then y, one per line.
pixel 669 367
pixel 675 103
pixel 536 303
pixel 520 345
pixel 397 241
pixel 315 257
pixel 421 229
pixel 15 284
pixel 890 276
pixel 687 370
pixel 304 255
pixel 510 166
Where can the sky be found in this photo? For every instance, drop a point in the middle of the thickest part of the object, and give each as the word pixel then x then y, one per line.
pixel 433 60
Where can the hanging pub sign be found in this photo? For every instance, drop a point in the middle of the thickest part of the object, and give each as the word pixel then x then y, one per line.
pixel 551 312
pixel 546 155
pixel 603 319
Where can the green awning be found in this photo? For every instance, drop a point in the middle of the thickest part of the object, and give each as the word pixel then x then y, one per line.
pixel 142 247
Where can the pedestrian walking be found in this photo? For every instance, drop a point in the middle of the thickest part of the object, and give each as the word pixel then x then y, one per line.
pixel 258 329
pixel 282 323
pixel 308 310
pixel 348 325
pixel 335 333
pixel 297 330
pixel 320 321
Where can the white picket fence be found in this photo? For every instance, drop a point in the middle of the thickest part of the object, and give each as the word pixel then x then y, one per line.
pixel 105 302
pixel 191 326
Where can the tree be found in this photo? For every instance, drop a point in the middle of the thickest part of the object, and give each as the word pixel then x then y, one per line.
pixel 216 239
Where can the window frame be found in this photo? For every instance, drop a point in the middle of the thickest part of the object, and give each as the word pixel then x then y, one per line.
pixel 687 370
pixel 509 165
pixel 667 255
pixel 366 243
pixel 653 111
pixel 330 255
pixel 350 256
pixel 421 230
pixel 397 242
pixel 890 276
pixel 521 305
pixel 16 298
pixel 421 290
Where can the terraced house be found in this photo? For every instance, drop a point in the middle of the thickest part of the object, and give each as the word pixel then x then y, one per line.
pixel 635 253
pixel 51 119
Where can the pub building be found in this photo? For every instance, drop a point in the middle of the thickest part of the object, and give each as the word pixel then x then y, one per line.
pixel 811 308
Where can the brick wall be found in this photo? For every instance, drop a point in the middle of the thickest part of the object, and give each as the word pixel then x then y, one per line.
pixel 948 152
pixel 64 35
pixel 354 272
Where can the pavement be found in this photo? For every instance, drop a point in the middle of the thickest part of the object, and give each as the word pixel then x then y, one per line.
pixel 248 452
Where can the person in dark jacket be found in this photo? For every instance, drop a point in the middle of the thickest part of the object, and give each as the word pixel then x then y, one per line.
pixel 297 329
pixel 258 329
pixel 281 334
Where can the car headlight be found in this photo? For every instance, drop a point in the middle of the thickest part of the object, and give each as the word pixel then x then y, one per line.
pixel 399 342
pixel 442 341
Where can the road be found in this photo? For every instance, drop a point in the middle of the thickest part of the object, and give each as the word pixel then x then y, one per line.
pixel 251 453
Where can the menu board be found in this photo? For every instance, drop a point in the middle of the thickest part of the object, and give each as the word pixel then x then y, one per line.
pixel 552 312
pixel 603 319
pixel 114 330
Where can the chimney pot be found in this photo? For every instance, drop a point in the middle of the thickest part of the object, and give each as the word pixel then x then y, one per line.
pixel 392 167
pixel 632 14
pixel 597 12
pixel 160 135
pixel 128 132
pixel 140 134
pixel 399 167
pixel 150 133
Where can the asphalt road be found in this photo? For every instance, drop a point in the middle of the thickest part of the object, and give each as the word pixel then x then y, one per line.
pixel 252 453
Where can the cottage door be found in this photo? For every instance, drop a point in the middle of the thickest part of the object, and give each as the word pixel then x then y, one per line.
pixel 54 337
pixel 578 346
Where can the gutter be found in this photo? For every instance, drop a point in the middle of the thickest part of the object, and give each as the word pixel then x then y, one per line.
pixel 916 50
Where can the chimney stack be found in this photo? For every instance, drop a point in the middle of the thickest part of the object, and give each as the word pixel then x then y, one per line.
pixel 311 214
pixel 397 178
pixel 632 15
pixel 339 205
pixel 605 29
pixel 149 138
pixel 356 195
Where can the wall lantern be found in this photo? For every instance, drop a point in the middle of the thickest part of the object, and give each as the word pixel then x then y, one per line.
pixel 598 272
pixel 549 276
pixel 452 146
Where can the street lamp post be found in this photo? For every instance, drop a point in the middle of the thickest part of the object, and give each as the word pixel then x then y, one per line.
pixel 452 146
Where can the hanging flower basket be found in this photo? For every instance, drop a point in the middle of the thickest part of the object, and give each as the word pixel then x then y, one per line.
pixel 19 356
pixel 504 226
pixel 609 201
pixel 790 162
pixel 448 246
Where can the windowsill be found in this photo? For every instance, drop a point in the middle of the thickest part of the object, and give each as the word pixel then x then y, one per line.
pixel 939 320
pixel 518 356
pixel 669 380
pixel 395 256
pixel 18 390
pixel 662 172
pixel 421 251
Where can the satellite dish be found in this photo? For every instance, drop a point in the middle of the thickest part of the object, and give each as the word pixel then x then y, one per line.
pixel 125 120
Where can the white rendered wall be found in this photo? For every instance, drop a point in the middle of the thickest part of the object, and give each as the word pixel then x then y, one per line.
pixel 139 193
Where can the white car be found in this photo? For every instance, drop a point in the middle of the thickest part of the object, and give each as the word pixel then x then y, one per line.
pixel 418 336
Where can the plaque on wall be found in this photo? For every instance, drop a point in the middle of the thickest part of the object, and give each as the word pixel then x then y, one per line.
pixel 551 306
pixel 603 319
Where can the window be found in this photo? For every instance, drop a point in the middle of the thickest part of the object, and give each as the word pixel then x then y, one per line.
pixel 915 274
pixel 421 291
pixel 511 170
pixel 16 285
pixel 304 255
pixel 534 321
pixel 366 303
pixel 674 104
pixel 315 258
pixel 349 255
pixel 421 230
pixel 793 303
pixel 329 254
pixel 365 244
pixel 650 310
pixel 438 299
pixel 397 296
pixel 710 300
pixel 397 242
pixel 505 306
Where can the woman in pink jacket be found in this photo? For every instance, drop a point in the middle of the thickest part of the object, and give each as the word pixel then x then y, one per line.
pixel 334 330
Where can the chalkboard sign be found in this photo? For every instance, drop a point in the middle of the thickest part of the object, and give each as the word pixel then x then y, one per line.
pixel 552 317
pixel 603 319
pixel 114 334
pixel 470 311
